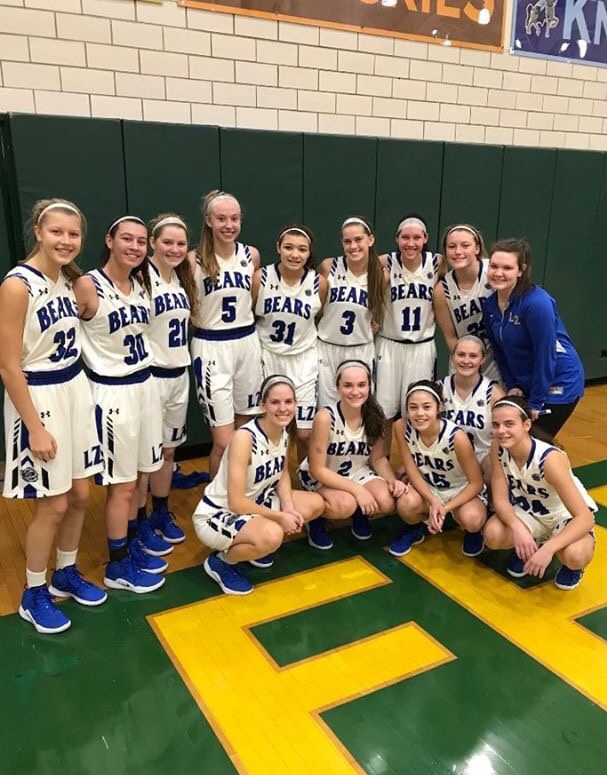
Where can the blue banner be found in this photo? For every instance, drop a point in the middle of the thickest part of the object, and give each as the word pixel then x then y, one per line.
pixel 574 30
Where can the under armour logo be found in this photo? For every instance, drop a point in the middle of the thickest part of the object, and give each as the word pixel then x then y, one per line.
pixel 274 287
pixel 45 414
pixel 113 411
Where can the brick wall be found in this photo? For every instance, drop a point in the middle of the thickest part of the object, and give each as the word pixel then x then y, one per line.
pixel 125 59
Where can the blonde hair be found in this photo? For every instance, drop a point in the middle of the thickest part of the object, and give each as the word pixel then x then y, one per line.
pixel 40 212
pixel 206 248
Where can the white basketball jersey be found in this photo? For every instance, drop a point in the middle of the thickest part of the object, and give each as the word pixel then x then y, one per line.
pixel 115 341
pixel 168 330
pixel 348 450
pixel 51 330
pixel 530 493
pixel 346 319
pixel 267 463
pixel 471 413
pixel 466 306
pixel 409 315
pixel 225 303
pixel 437 463
pixel 286 313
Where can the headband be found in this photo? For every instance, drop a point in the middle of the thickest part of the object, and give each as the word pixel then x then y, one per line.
pixel 294 228
pixel 58 206
pixel 220 195
pixel 170 220
pixel 464 227
pixel 350 221
pixel 426 389
pixel 507 402
pixel 348 365
pixel 412 221
pixel 126 218
pixel 276 379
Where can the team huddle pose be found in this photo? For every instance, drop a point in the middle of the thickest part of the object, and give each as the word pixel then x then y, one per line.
pixel 340 358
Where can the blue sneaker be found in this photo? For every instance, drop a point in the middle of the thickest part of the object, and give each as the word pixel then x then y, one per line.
pixel 68 582
pixel 38 609
pixel 144 561
pixel 263 562
pixel 318 537
pixel 124 574
pixel 515 566
pixel 414 534
pixel 473 544
pixel 164 522
pixel 181 481
pixel 567 578
pixel 151 542
pixel 227 576
pixel 361 527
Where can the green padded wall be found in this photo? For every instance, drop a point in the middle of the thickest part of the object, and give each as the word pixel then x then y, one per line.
pixel 526 201
pixel 570 264
pixel 409 178
pixel 472 176
pixel 80 159
pixel 264 170
pixel 592 344
pixel 339 180
pixel 169 167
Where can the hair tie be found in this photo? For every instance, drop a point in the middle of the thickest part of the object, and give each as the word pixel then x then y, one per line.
pixel 57 206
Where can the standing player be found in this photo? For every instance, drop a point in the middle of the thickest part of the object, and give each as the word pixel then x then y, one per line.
pixel 51 444
pixel 225 349
pixel 541 508
pixel 249 507
pixel 443 474
pixel 354 308
pixel 405 346
pixel 468 397
pixel 174 297
pixel 533 350
pixel 347 464
pixel 460 296
pixel 288 296
pixel 114 305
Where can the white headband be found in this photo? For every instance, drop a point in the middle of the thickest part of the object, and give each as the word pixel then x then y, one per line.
pixel 276 379
pixel 126 218
pixel 350 364
pixel 350 221
pixel 506 401
pixel 219 196
pixel 465 227
pixel 170 220
pixel 298 230
pixel 412 222
pixel 58 206
pixel 425 389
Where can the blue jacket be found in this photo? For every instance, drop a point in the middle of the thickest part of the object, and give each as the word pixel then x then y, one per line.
pixel 533 349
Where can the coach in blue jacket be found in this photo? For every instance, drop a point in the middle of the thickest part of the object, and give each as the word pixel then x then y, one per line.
pixel 533 350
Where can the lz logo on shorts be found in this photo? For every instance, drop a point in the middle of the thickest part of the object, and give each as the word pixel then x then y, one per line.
pixel 224 670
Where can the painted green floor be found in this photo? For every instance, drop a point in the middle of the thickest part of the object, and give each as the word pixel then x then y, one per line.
pixel 105 698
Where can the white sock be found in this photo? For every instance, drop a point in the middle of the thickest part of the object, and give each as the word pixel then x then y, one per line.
pixel 223 556
pixel 35 578
pixel 64 559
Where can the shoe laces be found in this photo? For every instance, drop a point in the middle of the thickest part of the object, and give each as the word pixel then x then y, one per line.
pixel 42 600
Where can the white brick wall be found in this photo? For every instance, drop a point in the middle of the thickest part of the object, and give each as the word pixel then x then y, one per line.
pixel 161 62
